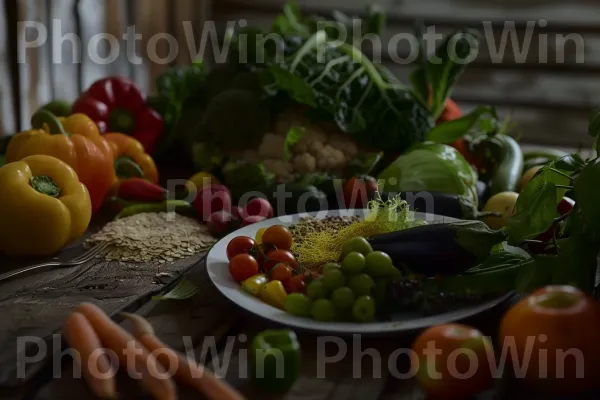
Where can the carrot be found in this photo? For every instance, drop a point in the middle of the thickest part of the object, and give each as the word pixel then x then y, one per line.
pixel 187 370
pixel 80 335
pixel 153 376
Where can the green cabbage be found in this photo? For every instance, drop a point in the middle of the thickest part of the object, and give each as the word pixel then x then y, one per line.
pixel 432 167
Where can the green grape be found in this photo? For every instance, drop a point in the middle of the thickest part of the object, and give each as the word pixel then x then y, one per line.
pixel 323 310
pixel 361 284
pixel 343 298
pixel 363 309
pixel 333 279
pixel 395 275
pixel 316 290
pixel 356 244
pixel 378 264
pixel 329 266
pixel 353 263
pixel 298 304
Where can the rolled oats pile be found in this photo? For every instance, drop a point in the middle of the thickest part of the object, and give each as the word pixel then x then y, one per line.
pixel 152 237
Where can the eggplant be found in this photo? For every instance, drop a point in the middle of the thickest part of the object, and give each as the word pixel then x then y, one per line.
pixel 439 249
pixel 448 205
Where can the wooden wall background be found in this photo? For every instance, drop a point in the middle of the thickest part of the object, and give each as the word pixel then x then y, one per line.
pixel 550 101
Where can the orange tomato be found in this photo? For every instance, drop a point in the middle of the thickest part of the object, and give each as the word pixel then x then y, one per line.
pixel 453 362
pixel 557 330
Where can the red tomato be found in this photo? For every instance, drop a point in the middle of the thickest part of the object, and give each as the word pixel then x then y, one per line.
pixel 358 191
pixel 296 284
pixel 259 206
pixel 281 272
pixel 278 236
pixel 252 219
pixel 280 256
pixel 568 320
pixel 242 267
pixel 239 245
pixel 444 366
pixel 211 199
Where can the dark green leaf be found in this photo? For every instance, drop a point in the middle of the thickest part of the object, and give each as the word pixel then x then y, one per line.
pixel 292 138
pixel 587 196
pixel 448 132
pixel 376 21
pixel 362 164
pixel 294 86
pixel 535 211
pixel 594 126
pixel 443 70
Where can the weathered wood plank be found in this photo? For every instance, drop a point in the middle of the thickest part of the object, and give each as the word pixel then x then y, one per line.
pixel 153 22
pixel 582 13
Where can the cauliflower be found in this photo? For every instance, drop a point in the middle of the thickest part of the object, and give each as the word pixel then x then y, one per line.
pixel 272 146
pixel 345 144
pixel 314 138
pixel 283 171
pixel 305 163
pixel 330 158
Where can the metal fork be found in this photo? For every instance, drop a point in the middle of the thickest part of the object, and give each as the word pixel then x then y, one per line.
pixel 85 257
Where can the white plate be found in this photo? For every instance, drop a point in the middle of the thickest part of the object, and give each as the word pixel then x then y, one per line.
pixel 217 266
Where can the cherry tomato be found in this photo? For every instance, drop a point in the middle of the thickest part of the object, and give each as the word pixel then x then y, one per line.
pixel 551 323
pixel 280 256
pixel 296 284
pixel 281 272
pixel 242 267
pixel 278 236
pixel 358 191
pixel 239 245
pixel 445 367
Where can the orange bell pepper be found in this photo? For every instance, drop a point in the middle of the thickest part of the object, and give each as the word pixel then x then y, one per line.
pixel 74 140
pixel 131 159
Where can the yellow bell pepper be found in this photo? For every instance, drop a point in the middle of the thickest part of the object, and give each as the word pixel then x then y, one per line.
pixel 74 140
pixel 273 293
pixel 253 284
pixel 43 206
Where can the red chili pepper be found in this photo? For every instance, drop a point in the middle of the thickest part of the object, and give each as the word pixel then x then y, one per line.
pixel 118 105
pixel 138 189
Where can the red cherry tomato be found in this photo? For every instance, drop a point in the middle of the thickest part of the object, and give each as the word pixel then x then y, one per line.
pixel 281 272
pixel 278 236
pixel 296 284
pixel 242 267
pixel 239 245
pixel 280 256
pixel 358 191
pixel 446 358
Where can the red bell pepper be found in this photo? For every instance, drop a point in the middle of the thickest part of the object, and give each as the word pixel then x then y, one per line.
pixel 117 105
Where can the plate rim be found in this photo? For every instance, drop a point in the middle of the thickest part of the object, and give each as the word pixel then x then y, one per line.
pixel 255 306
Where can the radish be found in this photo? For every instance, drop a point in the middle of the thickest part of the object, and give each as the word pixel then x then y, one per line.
pixel 259 206
pixel 252 219
pixel 211 199
pixel 219 222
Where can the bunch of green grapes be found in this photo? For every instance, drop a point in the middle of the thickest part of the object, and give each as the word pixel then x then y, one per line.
pixel 349 290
